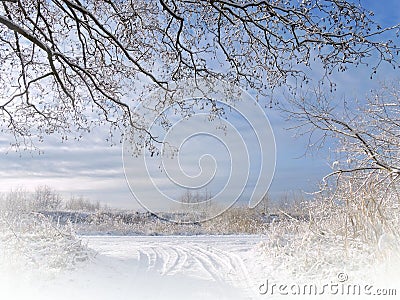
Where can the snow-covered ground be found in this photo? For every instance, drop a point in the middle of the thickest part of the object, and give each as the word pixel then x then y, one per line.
pixel 162 267
pixel 152 267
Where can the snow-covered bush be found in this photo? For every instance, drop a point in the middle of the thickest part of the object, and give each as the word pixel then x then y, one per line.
pixel 321 246
pixel 31 240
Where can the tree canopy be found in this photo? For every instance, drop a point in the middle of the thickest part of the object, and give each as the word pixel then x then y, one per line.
pixel 65 61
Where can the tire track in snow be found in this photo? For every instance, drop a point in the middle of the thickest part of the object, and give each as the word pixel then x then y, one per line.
pixel 215 258
pixel 180 259
pixel 231 268
pixel 200 260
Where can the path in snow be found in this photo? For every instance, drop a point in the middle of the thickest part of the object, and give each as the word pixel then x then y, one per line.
pixel 206 265
pixel 171 267
pixel 153 267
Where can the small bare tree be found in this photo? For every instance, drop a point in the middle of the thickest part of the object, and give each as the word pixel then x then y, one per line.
pixel 45 198
pixel 81 204
pixel 16 201
pixel 264 206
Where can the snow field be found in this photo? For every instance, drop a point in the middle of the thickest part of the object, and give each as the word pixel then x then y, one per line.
pixel 201 267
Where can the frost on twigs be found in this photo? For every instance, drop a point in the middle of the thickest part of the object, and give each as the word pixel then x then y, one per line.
pixel 359 201
pixel 318 249
pixel 67 66
pixel 30 241
pixel 365 137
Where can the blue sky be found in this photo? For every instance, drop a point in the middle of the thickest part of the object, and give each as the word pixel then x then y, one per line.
pixel 94 169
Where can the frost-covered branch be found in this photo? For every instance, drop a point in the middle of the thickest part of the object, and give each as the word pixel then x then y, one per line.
pixel 71 64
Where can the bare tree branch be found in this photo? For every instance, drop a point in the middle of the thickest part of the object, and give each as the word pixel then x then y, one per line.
pixel 63 58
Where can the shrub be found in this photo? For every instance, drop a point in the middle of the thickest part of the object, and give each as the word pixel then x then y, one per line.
pixel 31 240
